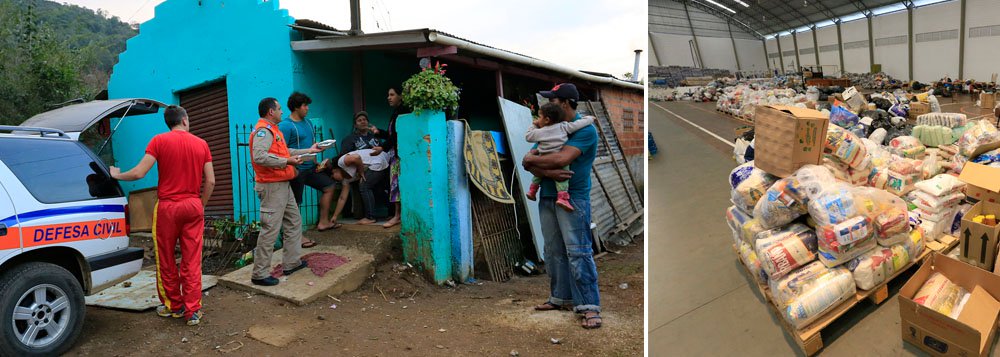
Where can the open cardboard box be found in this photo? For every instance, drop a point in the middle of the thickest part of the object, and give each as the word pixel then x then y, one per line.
pixel 787 138
pixel 977 241
pixel 983 181
pixel 939 335
pixel 918 109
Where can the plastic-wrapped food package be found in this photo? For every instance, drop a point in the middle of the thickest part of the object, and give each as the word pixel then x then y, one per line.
pixel 736 219
pixel 931 203
pixel 933 135
pixel 833 205
pixel 811 291
pixel 906 146
pixel 750 260
pixel 941 185
pixel 830 247
pixel 845 146
pixel 837 168
pixel 782 250
pixel 844 233
pixel 878 135
pixel 940 294
pixel 783 202
pixel 751 189
pixel 931 216
pixel 843 117
pixel 950 120
pixel 956 223
pixel 877 154
pixel 750 230
pixel 875 266
pixel 934 230
pixel 915 243
pixel 930 167
pixel 982 132
pixel 740 173
pixel 906 166
pixel 895 239
pixel 813 179
pixel 859 176
pixel 891 181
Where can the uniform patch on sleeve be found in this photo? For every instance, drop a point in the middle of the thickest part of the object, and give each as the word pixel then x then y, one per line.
pixel 260 133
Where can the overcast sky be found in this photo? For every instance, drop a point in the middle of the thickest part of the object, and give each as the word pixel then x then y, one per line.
pixel 595 35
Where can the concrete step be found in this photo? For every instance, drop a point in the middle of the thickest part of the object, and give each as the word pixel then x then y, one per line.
pixel 304 286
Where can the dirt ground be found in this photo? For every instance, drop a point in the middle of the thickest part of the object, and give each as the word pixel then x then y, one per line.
pixel 394 312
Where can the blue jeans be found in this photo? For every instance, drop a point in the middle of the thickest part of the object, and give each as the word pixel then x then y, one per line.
pixel 372 179
pixel 569 255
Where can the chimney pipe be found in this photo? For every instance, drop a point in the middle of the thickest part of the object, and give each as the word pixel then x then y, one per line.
pixel 356 17
pixel 635 71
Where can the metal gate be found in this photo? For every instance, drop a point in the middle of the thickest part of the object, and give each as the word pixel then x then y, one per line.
pixel 615 200
pixel 208 111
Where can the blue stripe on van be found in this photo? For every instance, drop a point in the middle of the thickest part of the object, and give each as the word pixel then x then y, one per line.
pixel 45 213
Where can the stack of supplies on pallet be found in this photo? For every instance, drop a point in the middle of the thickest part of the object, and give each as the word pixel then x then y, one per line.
pixel 937 201
pixel 807 293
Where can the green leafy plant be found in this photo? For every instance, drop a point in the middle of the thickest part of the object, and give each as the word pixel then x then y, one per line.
pixel 430 90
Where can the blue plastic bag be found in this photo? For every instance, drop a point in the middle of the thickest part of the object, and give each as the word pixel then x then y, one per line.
pixel 843 118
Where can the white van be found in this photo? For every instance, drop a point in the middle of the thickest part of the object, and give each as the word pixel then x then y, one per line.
pixel 63 232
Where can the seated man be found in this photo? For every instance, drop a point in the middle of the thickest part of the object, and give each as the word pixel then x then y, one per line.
pixel 369 166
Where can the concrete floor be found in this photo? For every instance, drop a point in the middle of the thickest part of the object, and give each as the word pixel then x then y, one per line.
pixel 700 301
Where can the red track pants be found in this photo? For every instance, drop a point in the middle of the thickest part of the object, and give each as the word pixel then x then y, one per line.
pixel 182 221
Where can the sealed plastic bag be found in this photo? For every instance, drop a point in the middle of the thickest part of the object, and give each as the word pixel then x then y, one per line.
pixel 845 146
pixel 941 185
pixel 939 294
pixel 834 204
pixel 783 202
pixel 844 233
pixel 915 243
pixel 950 120
pixel 843 117
pixel 933 135
pixel 809 292
pixel 834 255
pixel 813 179
pixel 931 203
pixel 751 189
pixel 891 181
pixel 874 267
pixel 981 133
pixel 749 257
pixel 740 173
pixel 906 146
pixel 736 219
pixel 782 250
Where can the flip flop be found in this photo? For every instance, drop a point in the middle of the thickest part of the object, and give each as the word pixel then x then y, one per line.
pixel 334 226
pixel 309 244
pixel 548 306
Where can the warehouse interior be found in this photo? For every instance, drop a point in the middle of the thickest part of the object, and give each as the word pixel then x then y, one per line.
pixel 826 177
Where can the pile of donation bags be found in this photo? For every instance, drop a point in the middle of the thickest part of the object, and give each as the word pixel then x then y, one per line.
pixel 819 235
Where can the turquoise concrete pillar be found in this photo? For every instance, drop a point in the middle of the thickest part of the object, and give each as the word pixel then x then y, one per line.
pixel 459 204
pixel 423 188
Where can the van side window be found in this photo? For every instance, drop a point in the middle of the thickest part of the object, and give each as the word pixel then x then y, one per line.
pixel 57 171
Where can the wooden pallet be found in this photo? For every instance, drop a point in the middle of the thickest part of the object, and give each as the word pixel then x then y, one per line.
pixel 810 338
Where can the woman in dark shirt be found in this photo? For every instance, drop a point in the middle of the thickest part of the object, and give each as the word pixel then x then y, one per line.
pixel 395 100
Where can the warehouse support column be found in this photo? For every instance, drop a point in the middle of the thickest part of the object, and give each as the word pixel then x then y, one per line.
pixel 871 44
pixel 767 61
pixel 697 50
pixel 840 50
pixel 909 34
pixel 652 46
pixel 735 52
pixel 961 44
pixel 815 46
pixel 781 55
pixel 795 45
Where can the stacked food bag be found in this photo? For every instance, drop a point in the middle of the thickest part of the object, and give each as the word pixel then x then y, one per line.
pixel 937 201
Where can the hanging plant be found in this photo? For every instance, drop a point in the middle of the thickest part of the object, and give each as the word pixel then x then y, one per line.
pixel 430 90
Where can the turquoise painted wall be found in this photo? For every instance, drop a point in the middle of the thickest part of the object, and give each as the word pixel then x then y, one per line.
pixel 185 45
pixel 423 182
pixel 327 78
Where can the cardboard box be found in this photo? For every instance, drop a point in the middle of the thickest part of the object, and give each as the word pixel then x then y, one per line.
pixel 977 241
pixel 918 108
pixel 983 182
pixel 939 335
pixel 987 100
pixel 140 209
pixel 788 138
pixel 854 99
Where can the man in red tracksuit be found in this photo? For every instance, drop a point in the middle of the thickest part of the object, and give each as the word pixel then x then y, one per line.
pixel 185 166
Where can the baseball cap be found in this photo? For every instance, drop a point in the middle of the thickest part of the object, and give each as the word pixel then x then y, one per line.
pixel 361 113
pixel 562 91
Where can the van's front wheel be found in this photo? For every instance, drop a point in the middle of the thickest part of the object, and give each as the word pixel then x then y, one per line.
pixel 42 310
